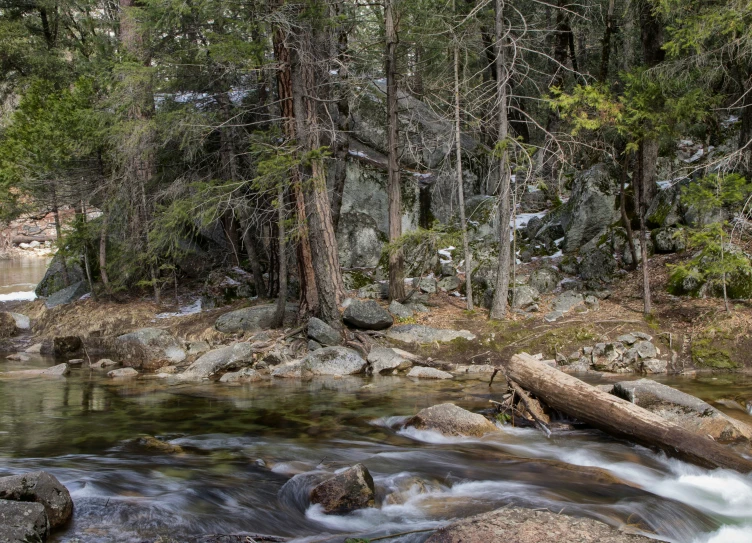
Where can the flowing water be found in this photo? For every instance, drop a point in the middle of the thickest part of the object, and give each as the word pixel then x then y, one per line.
pixel 247 448
pixel 18 277
pixel 249 452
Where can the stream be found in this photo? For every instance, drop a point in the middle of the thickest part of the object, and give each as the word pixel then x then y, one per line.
pixel 242 443
pixel 246 446
pixel 19 277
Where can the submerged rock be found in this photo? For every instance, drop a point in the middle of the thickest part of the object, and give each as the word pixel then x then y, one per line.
pixel 451 420
pixel 149 348
pixel 368 315
pixel 246 375
pixel 514 524
pixel 151 443
pixel 42 488
pixel 61 370
pixel 322 333
pixel 688 411
pixel 23 522
pixel 122 373
pixel 333 361
pixel 347 491
pixel 103 363
pixel 417 333
pixel 218 361
pixel 419 372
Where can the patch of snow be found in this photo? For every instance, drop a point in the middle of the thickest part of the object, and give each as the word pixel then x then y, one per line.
pixel 186 310
pixel 697 156
pixel 559 241
pixel 18 296
pixel 446 254
pixel 360 154
pixel 522 219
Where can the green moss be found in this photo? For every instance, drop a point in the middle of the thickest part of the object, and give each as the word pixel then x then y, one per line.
pixel 357 279
pixel 709 349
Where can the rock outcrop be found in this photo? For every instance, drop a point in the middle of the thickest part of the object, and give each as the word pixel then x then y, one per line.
pixel 386 359
pixel 42 488
pixel 367 315
pixel 417 333
pixel 252 319
pixel 212 364
pixel 23 522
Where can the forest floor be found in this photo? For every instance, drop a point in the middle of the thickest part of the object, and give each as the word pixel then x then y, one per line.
pixel 704 336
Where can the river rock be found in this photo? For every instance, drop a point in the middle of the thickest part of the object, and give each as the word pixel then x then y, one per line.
pixel 452 420
pixel 246 375
pixel 400 311
pixel 333 361
pixel 60 370
pixel 67 295
pixel 42 488
pixel 19 357
pixel 368 315
pixel 417 333
pixel 384 358
pixel 293 370
pixel 426 284
pixel 324 334
pixel 224 359
pixel 149 348
pixel 654 365
pixel 252 319
pixel 688 411
pixel 8 326
pixel 544 280
pixel 350 489
pixel 421 372
pixel 122 373
pixel 22 321
pixel 34 349
pixel 512 524
pixel 22 522
pixel 103 363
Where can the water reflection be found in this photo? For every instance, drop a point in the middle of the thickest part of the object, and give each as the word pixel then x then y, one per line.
pixel 19 277
pixel 242 444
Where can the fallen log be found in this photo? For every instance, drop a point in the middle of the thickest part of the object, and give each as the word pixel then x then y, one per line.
pixel 619 417
pixel 18 239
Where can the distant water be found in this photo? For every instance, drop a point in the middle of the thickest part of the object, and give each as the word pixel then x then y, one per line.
pixel 19 277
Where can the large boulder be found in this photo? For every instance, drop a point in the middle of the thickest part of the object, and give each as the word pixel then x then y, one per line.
pixel 598 265
pixel 246 375
pixel 53 280
pixel 668 240
pixel 42 488
pixel 67 295
pixel 359 240
pixel 544 280
pixel 592 207
pixel 514 524
pixel 688 411
pixel 23 522
pixel 321 332
pixel 149 348
pixel 348 490
pixel 22 321
pixel 522 296
pixel 666 208
pixel 367 315
pixel 212 364
pixel 451 420
pixel 252 319
pixel 417 333
pixel 333 361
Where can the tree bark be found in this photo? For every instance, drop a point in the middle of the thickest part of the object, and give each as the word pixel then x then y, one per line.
pixel 250 248
pixel 619 417
pixel 342 138
pixel 59 234
pixel 103 254
pixel 606 43
pixel 499 305
pixel 396 257
pixel 279 313
pixel 460 183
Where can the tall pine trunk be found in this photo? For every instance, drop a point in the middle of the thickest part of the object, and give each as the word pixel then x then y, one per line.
pixel 499 305
pixel 460 183
pixel 396 257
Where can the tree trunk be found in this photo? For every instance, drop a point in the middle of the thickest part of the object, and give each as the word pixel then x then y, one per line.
pixel 325 258
pixel 396 257
pixel 619 417
pixel 460 183
pixel 606 43
pixel 59 234
pixel 645 190
pixel 499 305
pixel 250 248
pixel 623 206
pixel 103 253
pixel 279 314
pixel 342 138
pixel 87 267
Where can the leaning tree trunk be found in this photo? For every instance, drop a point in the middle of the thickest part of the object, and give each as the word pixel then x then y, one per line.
pixel 460 183
pixel 499 305
pixel 619 417
pixel 396 257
